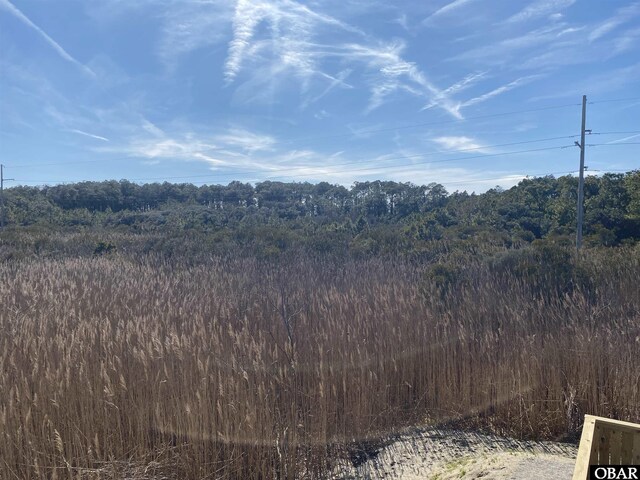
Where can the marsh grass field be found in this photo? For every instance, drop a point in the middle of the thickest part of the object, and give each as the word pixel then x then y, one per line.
pixel 119 367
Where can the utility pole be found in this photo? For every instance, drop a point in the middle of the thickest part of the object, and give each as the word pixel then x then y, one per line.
pixel 581 145
pixel 2 180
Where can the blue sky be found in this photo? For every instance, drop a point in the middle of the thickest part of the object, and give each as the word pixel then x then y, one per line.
pixel 209 91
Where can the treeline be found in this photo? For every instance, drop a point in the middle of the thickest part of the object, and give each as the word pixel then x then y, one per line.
pixel 369 217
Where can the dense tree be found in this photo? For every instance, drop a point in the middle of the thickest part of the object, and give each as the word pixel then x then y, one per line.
pixel 369 217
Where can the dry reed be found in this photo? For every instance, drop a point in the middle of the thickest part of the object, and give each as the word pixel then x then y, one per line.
pixel 111 368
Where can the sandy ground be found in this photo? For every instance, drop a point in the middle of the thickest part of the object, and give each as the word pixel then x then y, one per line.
pixel 450 454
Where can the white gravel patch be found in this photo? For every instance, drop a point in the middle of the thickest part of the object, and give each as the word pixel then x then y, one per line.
pixel 433 453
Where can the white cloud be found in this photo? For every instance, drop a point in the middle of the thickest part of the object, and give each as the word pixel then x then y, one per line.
pixel 232 154
pixel 540 8
pixel 291 27
pixel 397 74
pixel 151 128
pixel 598 84
pixel 234 147
pixel 446 9
pixel 289 50
pixel 500 90
pixel 621 16
pixel 624 139
pixel 338 81
pixel 502 52
pixel 626 40
pixel 604 28
pixel 465 83
pixel 457 87
pixel 8 6
pixel 247 141
pixel 173 149
pixel 188 26
pixel 457 143
pixel 91 135
pixel 402 21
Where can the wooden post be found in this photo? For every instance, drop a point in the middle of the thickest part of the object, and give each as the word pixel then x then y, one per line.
pixel 606 442
pixel 584 450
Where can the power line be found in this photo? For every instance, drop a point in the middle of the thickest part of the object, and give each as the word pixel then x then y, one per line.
pixel 444 122
pixel 384 167
pixel 368 159
pixel 352 134
pixel 394 158
pixel 629 99
pixel 401 127
pixel 614 133
pixel 427 154
pixel 381 167
pixel 612 144
pixel 377 167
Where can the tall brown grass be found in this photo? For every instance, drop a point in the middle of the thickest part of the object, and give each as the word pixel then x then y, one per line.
pixel 111 368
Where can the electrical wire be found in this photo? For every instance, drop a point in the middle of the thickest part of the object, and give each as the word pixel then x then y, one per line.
pixel 629 99
pixel 613 133
pixel 611 144
pixel 483 147
pixel 375 168
pixel 352 134
pixel 444 122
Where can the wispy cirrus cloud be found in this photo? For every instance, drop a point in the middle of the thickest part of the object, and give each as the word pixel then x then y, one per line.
pixel 502 52
pixel 445 9
pixel 185 147
pixel 189 26
pixel 540 8
pixel 624 139
pixel 396 74
pixel 90 135
pixel 276 42
pixel 622 15
pixel 229 154
pixel 291 44
pixel 457 143
pixel 247 141
pixel 459 86
pixel 231 147
pixel 12 9
pixel 557 43
pixel 339 81
pixel 500 90
pixel 615 79
pixel 291 28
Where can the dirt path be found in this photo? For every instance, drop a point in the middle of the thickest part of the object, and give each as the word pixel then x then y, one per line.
pixel 451 454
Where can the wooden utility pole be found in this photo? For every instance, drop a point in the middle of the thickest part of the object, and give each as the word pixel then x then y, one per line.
pixel 2 180
pixel 581 177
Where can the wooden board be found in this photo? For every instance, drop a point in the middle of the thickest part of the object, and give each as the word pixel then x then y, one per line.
pixel 627 448
pixel 615 447
pixel 606 442
pixel 584 450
